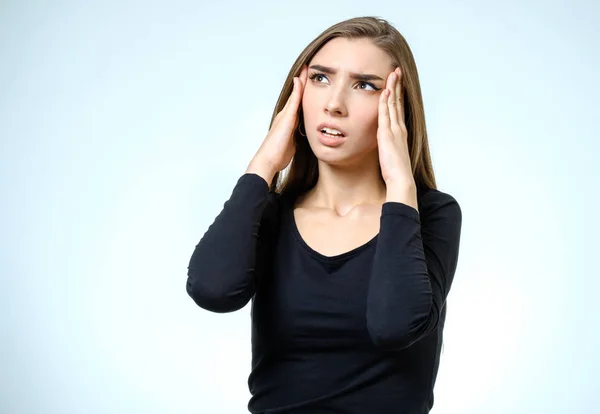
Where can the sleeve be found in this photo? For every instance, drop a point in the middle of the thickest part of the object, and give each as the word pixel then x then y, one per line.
pixel 413 269
pixel 224 267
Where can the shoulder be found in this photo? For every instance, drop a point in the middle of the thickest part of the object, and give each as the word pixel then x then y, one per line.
pixel 441 221
pixel 438 205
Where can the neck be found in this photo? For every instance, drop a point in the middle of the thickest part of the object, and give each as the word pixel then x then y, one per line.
pixel 341 188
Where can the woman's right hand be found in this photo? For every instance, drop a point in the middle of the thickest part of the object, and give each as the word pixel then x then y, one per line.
pixel 277 149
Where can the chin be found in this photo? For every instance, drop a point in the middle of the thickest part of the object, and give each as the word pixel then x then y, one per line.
pixel 343 157
pixel 337 161
pixel 333 156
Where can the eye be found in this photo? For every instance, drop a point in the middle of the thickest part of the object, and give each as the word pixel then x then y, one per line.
pixel 369 84
pixel 316 75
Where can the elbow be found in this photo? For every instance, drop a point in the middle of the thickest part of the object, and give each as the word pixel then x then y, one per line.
pixel 214 297
pixel 388 338
pixel 400 333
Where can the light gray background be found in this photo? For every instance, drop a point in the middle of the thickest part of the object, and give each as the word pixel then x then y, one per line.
pixel 124 126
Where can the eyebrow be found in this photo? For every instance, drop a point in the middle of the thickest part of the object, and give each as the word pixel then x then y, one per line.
pixel 358 76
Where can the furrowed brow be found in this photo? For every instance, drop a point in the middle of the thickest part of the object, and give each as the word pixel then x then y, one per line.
pixel 357 76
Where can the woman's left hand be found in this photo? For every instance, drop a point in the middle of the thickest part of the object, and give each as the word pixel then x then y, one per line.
pixel 392 135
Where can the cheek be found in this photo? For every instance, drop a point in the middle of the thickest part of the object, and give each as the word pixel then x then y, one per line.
pixel 308 106
pixel 366 119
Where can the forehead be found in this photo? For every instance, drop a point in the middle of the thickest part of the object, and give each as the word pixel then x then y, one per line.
pixel 353 55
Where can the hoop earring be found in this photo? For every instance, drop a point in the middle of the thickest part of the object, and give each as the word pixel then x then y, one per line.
pixel 300 130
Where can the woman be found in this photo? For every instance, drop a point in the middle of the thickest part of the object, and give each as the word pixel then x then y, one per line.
pixel 350 257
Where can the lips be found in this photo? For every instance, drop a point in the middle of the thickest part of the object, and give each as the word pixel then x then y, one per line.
pixel 331 126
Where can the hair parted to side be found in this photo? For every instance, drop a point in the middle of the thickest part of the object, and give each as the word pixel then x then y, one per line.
pixel 303 171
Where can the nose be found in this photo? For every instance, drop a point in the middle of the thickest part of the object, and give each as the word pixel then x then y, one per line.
pixel 335 104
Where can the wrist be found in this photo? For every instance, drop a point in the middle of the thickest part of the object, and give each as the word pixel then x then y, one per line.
pixel 404 192
pixel 263 169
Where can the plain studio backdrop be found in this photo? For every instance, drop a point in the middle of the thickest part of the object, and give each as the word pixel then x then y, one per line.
pixel 125 125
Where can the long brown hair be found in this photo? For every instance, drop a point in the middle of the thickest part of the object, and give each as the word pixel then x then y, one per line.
pixel 303 171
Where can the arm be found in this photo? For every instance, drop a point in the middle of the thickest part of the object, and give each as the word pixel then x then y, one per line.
pixel 226 264
pixel 222 271
pixel 414 266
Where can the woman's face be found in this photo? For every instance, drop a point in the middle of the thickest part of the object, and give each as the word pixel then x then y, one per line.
pixel 345 79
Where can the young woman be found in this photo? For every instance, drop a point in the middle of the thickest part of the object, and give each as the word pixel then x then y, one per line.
pixel 349 258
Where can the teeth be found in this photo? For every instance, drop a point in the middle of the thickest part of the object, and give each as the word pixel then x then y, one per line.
pixel 332 131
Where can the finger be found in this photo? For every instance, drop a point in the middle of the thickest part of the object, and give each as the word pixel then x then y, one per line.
pixel 296 95
pixel 297 87
pixel 383 112
pixel 393 100
pixel 400 96
pixel 291 112
pixel 291 97
pixel 303 75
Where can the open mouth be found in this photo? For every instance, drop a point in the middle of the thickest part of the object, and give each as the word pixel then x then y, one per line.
pixel 331 140
pixel 332 133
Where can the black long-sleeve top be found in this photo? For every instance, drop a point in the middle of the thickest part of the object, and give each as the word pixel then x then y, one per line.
pixel 358 332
